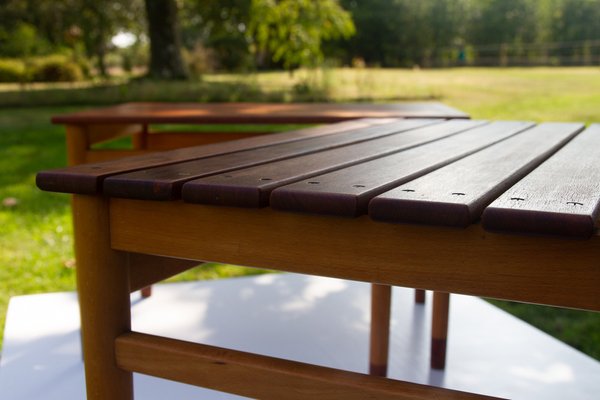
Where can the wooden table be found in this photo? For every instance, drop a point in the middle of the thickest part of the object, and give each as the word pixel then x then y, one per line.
pixel 142 122
pixel 387 202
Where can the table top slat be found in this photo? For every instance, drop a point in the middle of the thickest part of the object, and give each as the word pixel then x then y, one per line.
pixel 251 187
pixel 164 183
pixel 249 113
pixel 560 197
pixel 457 194
pixel 346 192
pixel 88 178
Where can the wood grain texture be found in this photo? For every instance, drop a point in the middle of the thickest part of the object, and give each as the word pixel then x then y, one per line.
pixel 262 377
pixel 103 155
pixel 420 296
pixel 103 133
pixel 457 194
pixel 87 178
pixel 439 329
pixel 164 140
pixel 77 145
pixel 468 261
pixel 347 192
pixel 379 340
pixel 243 113
pixel 145 269
pixel 103 286
pixel 251 187
pixel 560 197
pixel 164 183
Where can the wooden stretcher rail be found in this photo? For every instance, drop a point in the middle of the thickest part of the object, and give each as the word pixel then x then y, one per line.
pixel 103 133
pixel 146 270
pixel 262 377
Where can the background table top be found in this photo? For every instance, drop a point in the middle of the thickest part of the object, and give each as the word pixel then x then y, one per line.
pixel 255 112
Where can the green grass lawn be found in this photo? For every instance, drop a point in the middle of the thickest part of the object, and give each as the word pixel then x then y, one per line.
pixel 35 233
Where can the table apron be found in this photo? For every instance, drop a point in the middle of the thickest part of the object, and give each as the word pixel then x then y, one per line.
pixel 542 270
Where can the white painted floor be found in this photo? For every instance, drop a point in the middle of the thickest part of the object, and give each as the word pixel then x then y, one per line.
pixel 318 320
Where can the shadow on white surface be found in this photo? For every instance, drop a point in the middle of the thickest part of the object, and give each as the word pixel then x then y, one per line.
pixel 304 318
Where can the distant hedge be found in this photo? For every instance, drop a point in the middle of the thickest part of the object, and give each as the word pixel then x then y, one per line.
pixel 12 71
pixel 40 69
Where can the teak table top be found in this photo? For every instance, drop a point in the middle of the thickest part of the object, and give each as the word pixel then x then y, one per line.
pixel 504 209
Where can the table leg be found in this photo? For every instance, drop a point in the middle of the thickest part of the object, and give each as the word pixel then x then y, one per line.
pixel 381 297
pixel 103 286
pixel 140 142
pixel 419 296
pixel 146 291
pixel 439 329
pixel 77 144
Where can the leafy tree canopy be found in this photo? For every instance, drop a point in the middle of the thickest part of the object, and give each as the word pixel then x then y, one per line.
pixel 292 31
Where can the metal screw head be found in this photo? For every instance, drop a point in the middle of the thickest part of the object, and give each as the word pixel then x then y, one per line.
pixel 574 203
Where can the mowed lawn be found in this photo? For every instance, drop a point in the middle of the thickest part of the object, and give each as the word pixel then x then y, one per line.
pixel 35 227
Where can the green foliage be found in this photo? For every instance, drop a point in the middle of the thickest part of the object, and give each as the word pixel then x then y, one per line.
pixel 12 71
pixel 441 33
pixel 292 31
pixel 570 326
pixel 56 70
pixel 221 27
pixel 199 60
pixel 22 41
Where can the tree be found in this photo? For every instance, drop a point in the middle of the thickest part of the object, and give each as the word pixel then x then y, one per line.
pixel 292 31
pixel 501 27
pixel 165 44
pixel 221 26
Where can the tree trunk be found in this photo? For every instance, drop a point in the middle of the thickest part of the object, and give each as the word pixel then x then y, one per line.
pixel 165 55
pixel 101 54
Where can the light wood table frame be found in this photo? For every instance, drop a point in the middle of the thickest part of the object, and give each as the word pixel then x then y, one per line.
pixel 471 261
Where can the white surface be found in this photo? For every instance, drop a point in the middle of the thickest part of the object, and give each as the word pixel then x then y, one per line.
pixel 318 320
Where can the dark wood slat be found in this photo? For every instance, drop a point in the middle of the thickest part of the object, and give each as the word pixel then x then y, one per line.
pixel 560 197
pixel 174 140
pixel 242 113
pixel 346 192
pixel 456 194
pixel 87 178
pixel 164 183
pixel 251 187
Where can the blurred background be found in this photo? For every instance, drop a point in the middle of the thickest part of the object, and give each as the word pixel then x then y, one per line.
pixel 503 59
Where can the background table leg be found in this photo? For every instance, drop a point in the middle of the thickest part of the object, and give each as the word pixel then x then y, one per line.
pixel 419 296
pixel 439 329
pixel 103 286
pixel 381 297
